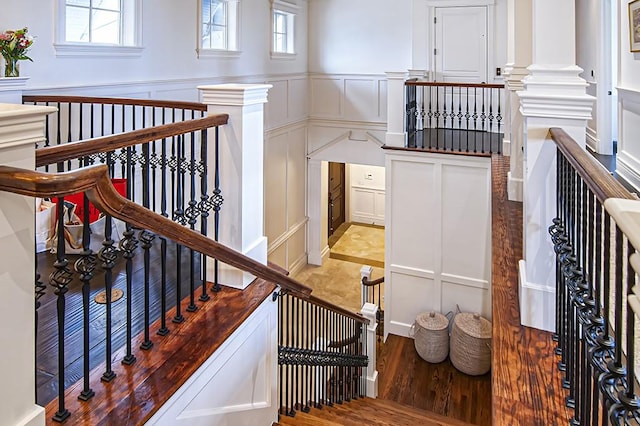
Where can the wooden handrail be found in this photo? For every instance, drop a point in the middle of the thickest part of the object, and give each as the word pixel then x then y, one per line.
pixel 414 82
pixel 96 183
pixel 195 106
pixel 77 149
pixel 367 283
pixel 597 178
pixel 342 311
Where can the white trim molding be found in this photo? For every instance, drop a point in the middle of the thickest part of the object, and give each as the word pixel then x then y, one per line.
pixel 537 302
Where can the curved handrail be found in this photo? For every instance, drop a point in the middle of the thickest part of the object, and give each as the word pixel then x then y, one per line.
pixel 597 178
pixel 367 283
pixel 96 183
pixel 77 149
pixel 195 106
pixel 414 82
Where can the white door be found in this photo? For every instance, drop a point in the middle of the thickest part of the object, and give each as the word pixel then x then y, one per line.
pixel 460 54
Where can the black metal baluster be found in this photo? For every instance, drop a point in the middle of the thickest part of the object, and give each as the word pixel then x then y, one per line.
pixel 163 331
pixel 217 205
pixel 191 214
pixel 84 266
pixel 281 367
pixel 204 206
pixel 107 256
pixel 499 120
pixel 179 217
pixel 59 280
pixel 39 291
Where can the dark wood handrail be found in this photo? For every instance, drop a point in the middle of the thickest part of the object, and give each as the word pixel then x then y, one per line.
pixel 597 178
pixel 96 183
pixel 195 106
pixel 414 82
pixel 77 149
pixel 367 283
pixel 342 311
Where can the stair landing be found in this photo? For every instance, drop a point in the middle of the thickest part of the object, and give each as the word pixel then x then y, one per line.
pixel 368 411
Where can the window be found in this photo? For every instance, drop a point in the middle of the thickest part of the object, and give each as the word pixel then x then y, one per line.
pixel 282 25
pixel 218 27
pixel 98 26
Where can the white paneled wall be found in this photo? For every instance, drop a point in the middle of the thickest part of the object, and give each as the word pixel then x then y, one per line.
pixel 349 97
pixel 438 236
pixel 366 194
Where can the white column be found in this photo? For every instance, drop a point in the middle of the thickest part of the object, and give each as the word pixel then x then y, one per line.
pixel 21 127
pixel 11 89
pixel 519 51
pixel 554 96
pixel 317 199
pixel 369 311
pixel 241 172
pixel 396 135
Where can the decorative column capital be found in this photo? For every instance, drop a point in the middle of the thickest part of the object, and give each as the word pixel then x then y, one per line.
pixel 235 94
pixel 30 119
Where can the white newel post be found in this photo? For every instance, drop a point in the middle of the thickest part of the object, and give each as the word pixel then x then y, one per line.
pixel 519 51
pixel 369 311
pixel 396 135
pixel 365 272
pixel 241 173
pixel 21 127
pixel 554 96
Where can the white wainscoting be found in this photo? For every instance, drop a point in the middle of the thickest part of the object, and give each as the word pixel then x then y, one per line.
pixel 366 194
pixel 237 385
pixel 438 236
pixel 628 158
pixel 354 97
pixel 285 192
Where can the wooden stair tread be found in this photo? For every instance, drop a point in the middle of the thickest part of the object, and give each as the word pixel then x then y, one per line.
pixel 159 372
pixel 370 412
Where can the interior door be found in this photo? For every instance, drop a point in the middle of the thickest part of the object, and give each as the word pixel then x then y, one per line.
pixel 460 54
pixel 336 196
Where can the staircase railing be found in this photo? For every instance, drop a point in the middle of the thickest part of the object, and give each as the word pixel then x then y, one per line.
pixel 454 117
pixel 595 280
pixel 322 354
pixel 371 292
pixel 96 183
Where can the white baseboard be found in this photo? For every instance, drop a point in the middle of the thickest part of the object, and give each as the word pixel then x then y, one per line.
pixel 506 147
pixel 397 328
pixel 514 188
pixel 626 170
pixel 372 385
pixel 296 266
pixel 317 258
pixel 537 303
pixel 35 418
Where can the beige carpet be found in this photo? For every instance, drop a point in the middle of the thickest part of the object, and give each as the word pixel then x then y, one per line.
pixel 362 244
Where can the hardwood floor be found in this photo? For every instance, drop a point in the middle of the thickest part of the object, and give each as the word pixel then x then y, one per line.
pixel 525 379
pixel 407 379
pixel 47 336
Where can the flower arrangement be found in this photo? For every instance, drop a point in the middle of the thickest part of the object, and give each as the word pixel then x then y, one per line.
pixel 14 46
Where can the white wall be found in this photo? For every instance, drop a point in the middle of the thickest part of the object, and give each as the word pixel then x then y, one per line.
pixel 359 36
pixel 628 164
pixel 366 194
pixel 169 40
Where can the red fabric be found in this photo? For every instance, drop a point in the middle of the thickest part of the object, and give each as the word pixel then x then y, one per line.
pixel 78 199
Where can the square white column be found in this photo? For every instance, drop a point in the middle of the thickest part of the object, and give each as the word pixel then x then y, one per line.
pixel 241 173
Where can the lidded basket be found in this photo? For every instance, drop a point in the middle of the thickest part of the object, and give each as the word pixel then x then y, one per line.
pixel 431 336
pixel 471 344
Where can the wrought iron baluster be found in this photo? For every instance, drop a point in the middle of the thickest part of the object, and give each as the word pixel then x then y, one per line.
pixel 203 207
pixel 85 266
pixel 59 280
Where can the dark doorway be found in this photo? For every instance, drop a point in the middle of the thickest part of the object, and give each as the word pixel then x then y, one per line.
pixel 336 196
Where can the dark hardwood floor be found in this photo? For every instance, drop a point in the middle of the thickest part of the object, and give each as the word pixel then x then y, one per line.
pixel 407 379
pixel 526 384
pixel 47 335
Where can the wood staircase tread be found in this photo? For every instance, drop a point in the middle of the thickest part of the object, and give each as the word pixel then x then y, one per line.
pixel 374 412
pixel 159 372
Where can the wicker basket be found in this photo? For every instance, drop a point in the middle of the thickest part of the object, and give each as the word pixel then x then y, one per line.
pixel 431 336
pixel 471 344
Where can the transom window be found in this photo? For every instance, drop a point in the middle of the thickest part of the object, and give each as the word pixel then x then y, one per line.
pixel 218 25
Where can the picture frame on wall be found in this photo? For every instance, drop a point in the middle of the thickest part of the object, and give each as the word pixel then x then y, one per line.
pixel 634 25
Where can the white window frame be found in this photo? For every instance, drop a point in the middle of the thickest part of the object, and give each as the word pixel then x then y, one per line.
pixel 232 35
pixel 130 43
pixel 290 10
